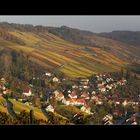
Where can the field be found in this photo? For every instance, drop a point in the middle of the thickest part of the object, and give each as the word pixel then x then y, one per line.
pixel 18 107
pixel 2 105
pixel 74 60
pixel 69 111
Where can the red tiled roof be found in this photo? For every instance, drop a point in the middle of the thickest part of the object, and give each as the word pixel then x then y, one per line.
pixel 71 100
pixel 81 100
pixel 87 106
pixel 60 95
pixel 73 93
pixel 84 94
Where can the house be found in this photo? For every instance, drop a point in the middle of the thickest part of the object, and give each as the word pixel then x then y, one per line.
pixel 86 109
pixel 84 81
pixel 85 95
pixel 80 87
pixel 95 99
pixel 93 92
pixel 97 76
pixel 70 102
pixel 58 95
pixel 122 82
pixel 115 85
pixel 109 87
pixel 85 87
pixel 109 80
pixel 99 84
pixel 3 88
pixel 133 103
pixel 102 89
pixel 66 102
pixel 50 108
pixel 73 95
pixel 117 102
pixel 27 92
pixel 3 80
pixel 55 79
pixel 80 102
pixel 5 92
pixel 56 92
pixel 99 102
pixel 103 83
pixel 48 74
pixel 69 91
pixel 74 86
pixel 30 85
pixel 125 103
pixel 20 100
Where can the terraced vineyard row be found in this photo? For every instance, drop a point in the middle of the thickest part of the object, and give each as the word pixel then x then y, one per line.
pixel 74 60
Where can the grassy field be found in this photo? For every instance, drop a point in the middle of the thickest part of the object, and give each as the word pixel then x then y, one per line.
pixel 3 105
pixel 69 111
pixel 18 107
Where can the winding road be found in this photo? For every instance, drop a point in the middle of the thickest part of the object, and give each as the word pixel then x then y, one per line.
pixel 10 109
pixel 43 109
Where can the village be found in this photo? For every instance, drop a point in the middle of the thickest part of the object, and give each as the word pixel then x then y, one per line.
pixel 81 93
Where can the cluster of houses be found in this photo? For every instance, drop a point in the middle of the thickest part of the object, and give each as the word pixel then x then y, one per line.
pixel 84 91
pixel 25 94
pixel 74 100
pixel 54 78
pixel 79 94
pixel 105 84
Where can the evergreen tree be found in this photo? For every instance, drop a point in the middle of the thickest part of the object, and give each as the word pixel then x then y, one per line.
pixel 31 116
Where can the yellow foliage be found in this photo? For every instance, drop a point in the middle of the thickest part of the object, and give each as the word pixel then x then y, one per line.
pixel 18 107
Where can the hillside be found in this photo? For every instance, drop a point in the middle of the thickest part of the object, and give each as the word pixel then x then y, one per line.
pixel 129 37
pixel 75 59
pixel 116 47
pixel 51 75
pixel 19 107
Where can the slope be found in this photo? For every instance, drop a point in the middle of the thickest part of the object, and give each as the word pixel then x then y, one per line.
pixel 129 37
pixel 124 51
pixel 53 52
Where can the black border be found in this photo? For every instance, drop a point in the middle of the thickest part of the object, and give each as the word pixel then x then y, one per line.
pixel 69 132
pixel 69 8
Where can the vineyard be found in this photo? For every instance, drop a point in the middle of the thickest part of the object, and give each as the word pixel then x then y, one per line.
pixel 73 60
